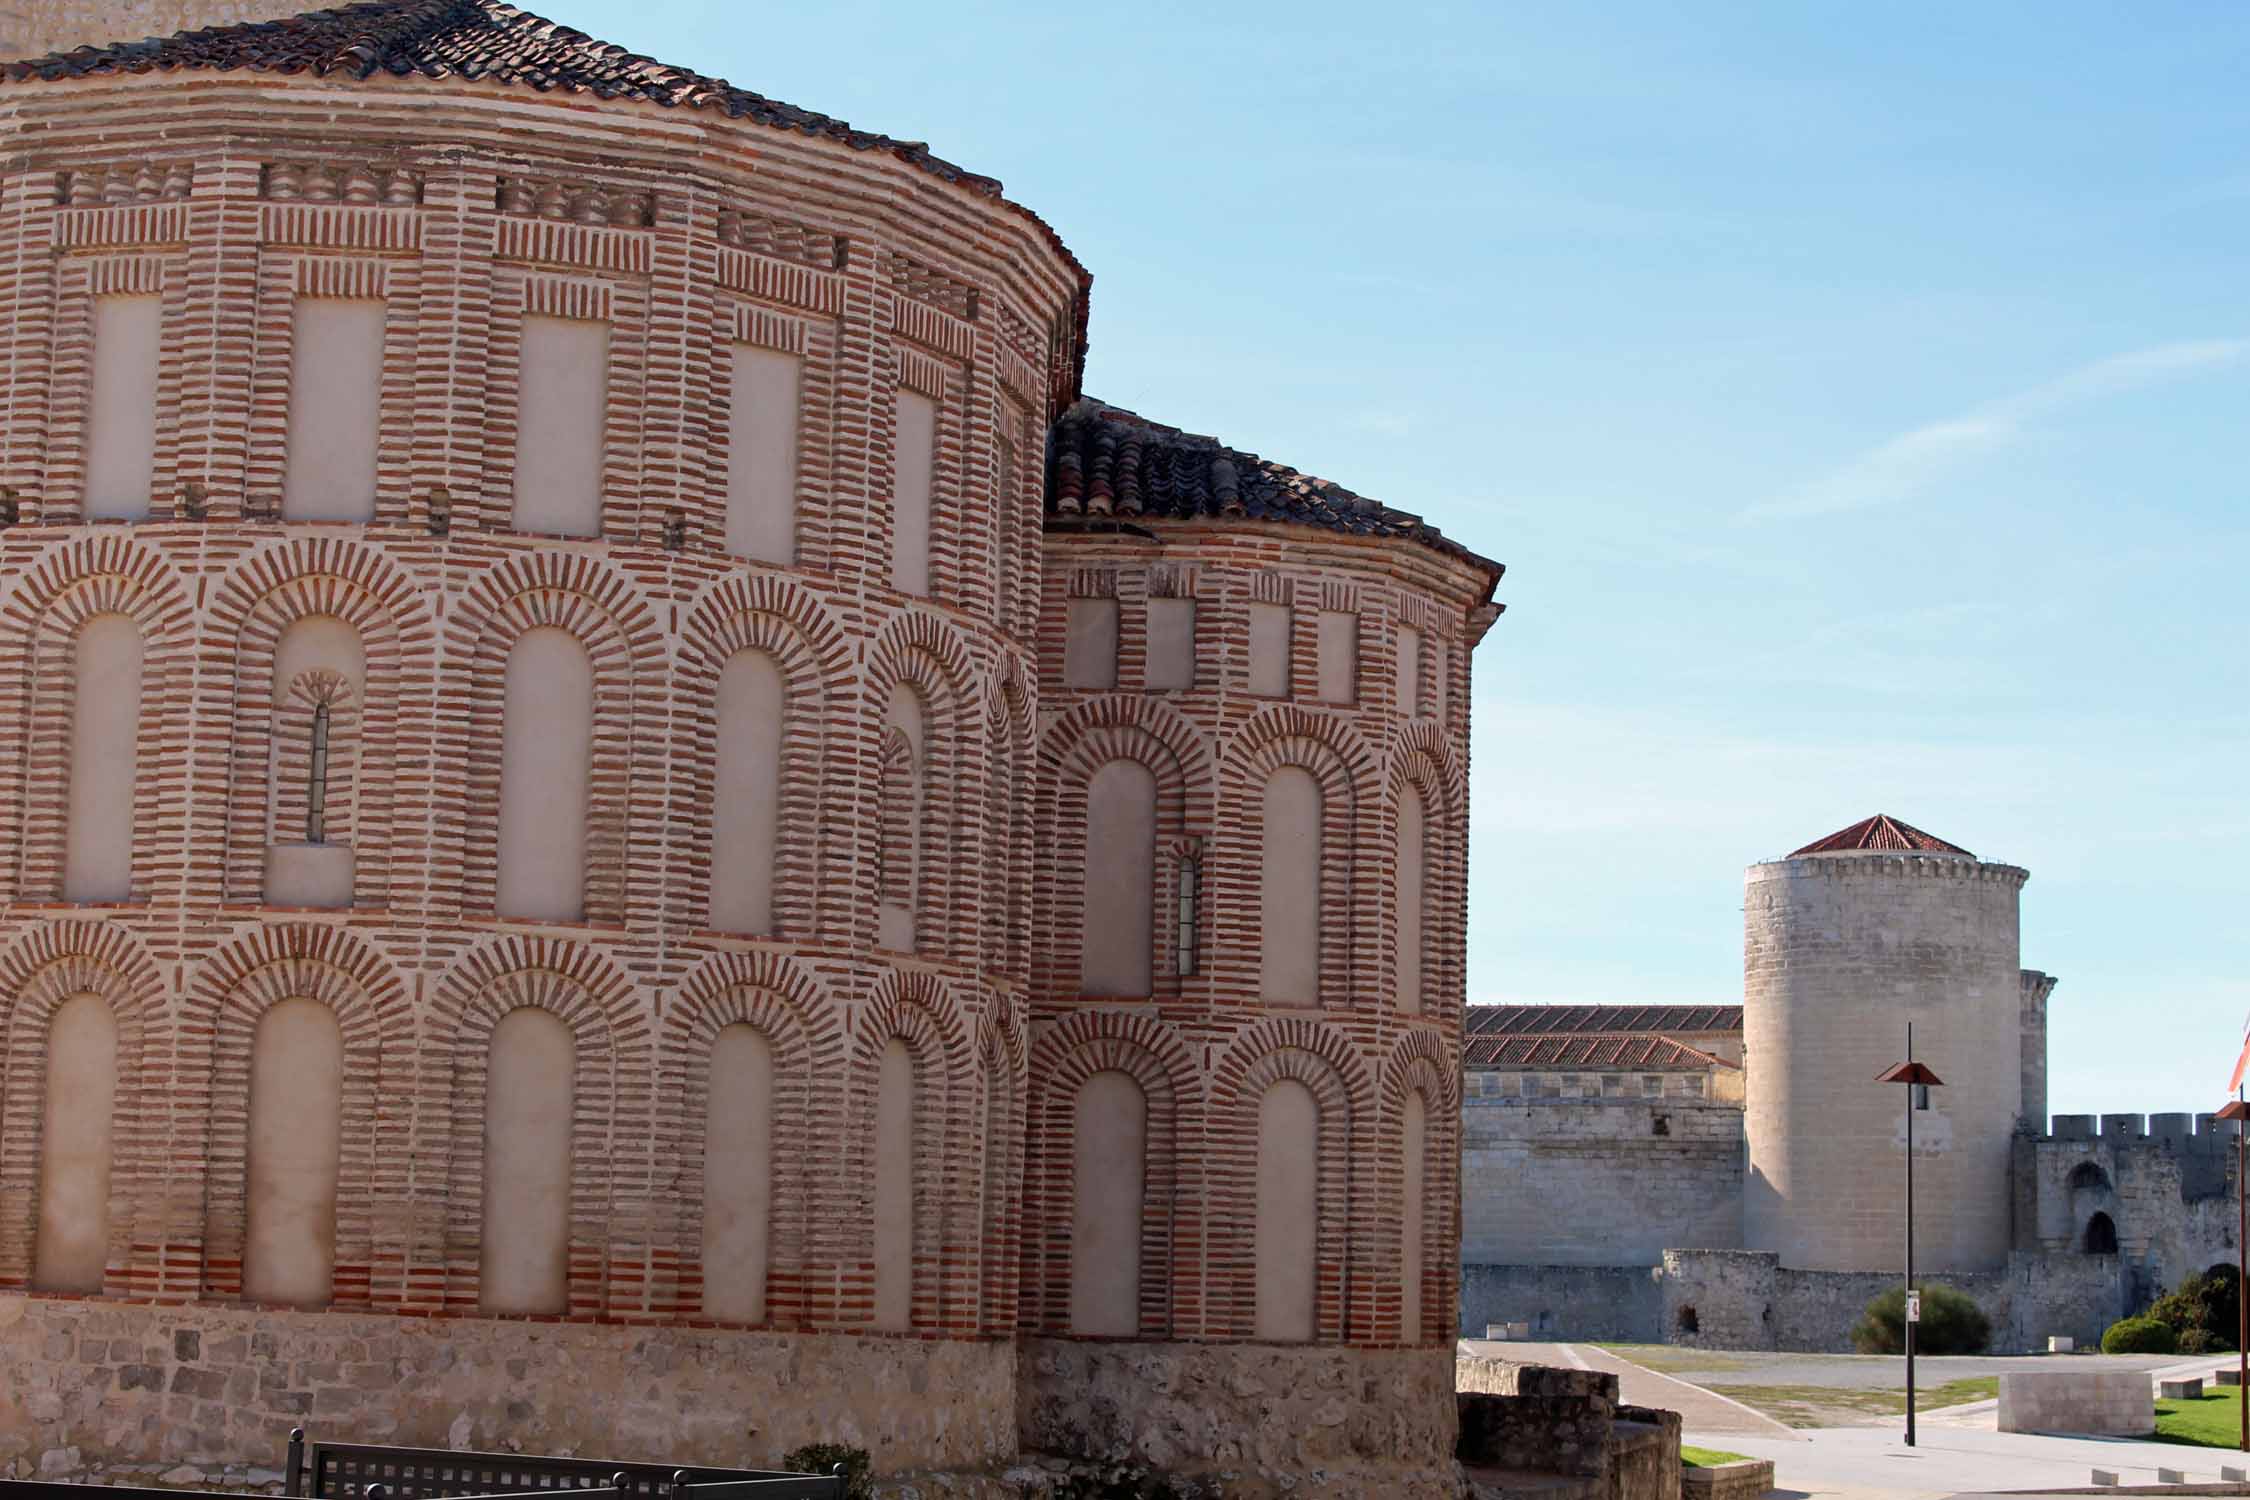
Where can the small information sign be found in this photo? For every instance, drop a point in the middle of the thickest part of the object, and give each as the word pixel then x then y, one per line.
pixel 1913 1307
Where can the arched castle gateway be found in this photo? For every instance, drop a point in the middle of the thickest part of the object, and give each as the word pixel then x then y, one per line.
pixel 628 826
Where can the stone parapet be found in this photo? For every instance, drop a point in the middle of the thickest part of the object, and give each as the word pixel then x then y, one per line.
pixel 1266 1420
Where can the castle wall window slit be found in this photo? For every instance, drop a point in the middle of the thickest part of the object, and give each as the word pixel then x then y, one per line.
pixel 121 408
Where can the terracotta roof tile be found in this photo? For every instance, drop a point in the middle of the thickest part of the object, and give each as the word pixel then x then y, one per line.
pixel 477 40
pixel 1107 463
pixel 1881 833
pixel 1580 1020
pixel 1648 1054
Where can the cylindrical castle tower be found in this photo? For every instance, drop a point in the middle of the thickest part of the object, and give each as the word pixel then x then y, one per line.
pixel 1845 942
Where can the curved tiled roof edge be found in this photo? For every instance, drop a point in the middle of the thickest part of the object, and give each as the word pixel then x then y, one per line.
pixel 1521 1019
pixel 1107 463
pixel 1881 833
pixel 489 41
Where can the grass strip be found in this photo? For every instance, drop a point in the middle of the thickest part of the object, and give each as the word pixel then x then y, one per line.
pixel 1707 1458
pixel 1823 1405
pixel 2213 1420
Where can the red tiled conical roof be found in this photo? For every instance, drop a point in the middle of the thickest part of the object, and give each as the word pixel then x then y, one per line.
pixel 475 40
pixel 1110 464
pixel 1881 833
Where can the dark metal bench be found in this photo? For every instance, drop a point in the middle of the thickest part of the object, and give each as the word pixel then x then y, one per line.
pixel 343 1471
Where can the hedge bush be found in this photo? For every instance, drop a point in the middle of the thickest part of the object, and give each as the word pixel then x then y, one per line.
pixel 2140 1336
pixel 819 1458
pixel 2202 1310
pixel 1952 1323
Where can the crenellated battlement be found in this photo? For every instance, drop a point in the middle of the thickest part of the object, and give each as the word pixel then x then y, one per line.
pixel 1864 866
pixel 2131 1129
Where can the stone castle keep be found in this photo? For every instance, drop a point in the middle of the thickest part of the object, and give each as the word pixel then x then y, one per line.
pixel 1733 1176
pixel 630 826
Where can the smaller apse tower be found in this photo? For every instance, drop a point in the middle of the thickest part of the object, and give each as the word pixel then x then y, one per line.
pixel 1844 942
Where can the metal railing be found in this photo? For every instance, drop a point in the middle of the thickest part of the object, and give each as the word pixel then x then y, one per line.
pixel 348 1471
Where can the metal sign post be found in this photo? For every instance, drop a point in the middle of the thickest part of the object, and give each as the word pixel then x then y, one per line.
pixel 1918 1080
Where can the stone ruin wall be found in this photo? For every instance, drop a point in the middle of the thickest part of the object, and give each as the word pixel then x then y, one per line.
pixel 2166 1181
pixel 808 253
pixel 33 28
pixel 1567 1182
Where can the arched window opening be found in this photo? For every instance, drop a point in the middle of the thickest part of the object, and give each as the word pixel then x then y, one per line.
pixel 898 852
pixel 2101 1235
pixel 1288 1212
pixel 546 761
pixel 1413 1205
pixel 895 1088
pixel 1412 865
pixel 746 800
pixel 2088 1177
pixel 104 760
pixel 530 1089
pixel 70 1252
pixel 1118 914
pixel 1290 889
pixel 738 1176
pixel 296 1136
pixel 1108 1169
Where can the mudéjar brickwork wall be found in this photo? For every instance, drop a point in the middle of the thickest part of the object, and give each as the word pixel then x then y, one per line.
pixel 877 1221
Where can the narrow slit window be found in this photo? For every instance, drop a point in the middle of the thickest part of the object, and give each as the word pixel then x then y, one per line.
pixel 1184 934
pixel 316 781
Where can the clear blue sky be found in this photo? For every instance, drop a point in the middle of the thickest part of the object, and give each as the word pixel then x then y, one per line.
pixel 1856 394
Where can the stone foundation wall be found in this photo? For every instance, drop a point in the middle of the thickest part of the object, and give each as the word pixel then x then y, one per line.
pixel 1620 1303
pixel 1263 1419
pixel 1613 1180
pixel 87 1386
pixel 1745 1299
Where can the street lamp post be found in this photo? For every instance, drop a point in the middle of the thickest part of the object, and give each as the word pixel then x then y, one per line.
pixel 2239 1112
pixel 1919 1080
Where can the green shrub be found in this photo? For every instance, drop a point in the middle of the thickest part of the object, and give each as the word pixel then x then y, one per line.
pixel 1952 1323
pixel 2202 1310
pixel 2140 1336
pixel 820 1458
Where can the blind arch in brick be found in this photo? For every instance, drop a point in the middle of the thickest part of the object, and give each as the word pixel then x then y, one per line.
pixel 1315 1055
pixel 587 601
pixel 920 652
pixel 43 618
pixel 46 968
pixel 232 992
pixel 918 1009
pixel 1339 765
pixel 1152 1054
pixel 260 600
pixel 786 1007
pixel 1417 1066
pixel 774 616
pixel 610 1131
pixel 1073 750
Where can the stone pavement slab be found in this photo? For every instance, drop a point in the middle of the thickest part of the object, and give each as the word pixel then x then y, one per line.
pixel 1698 1408
pixel 1874 1463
